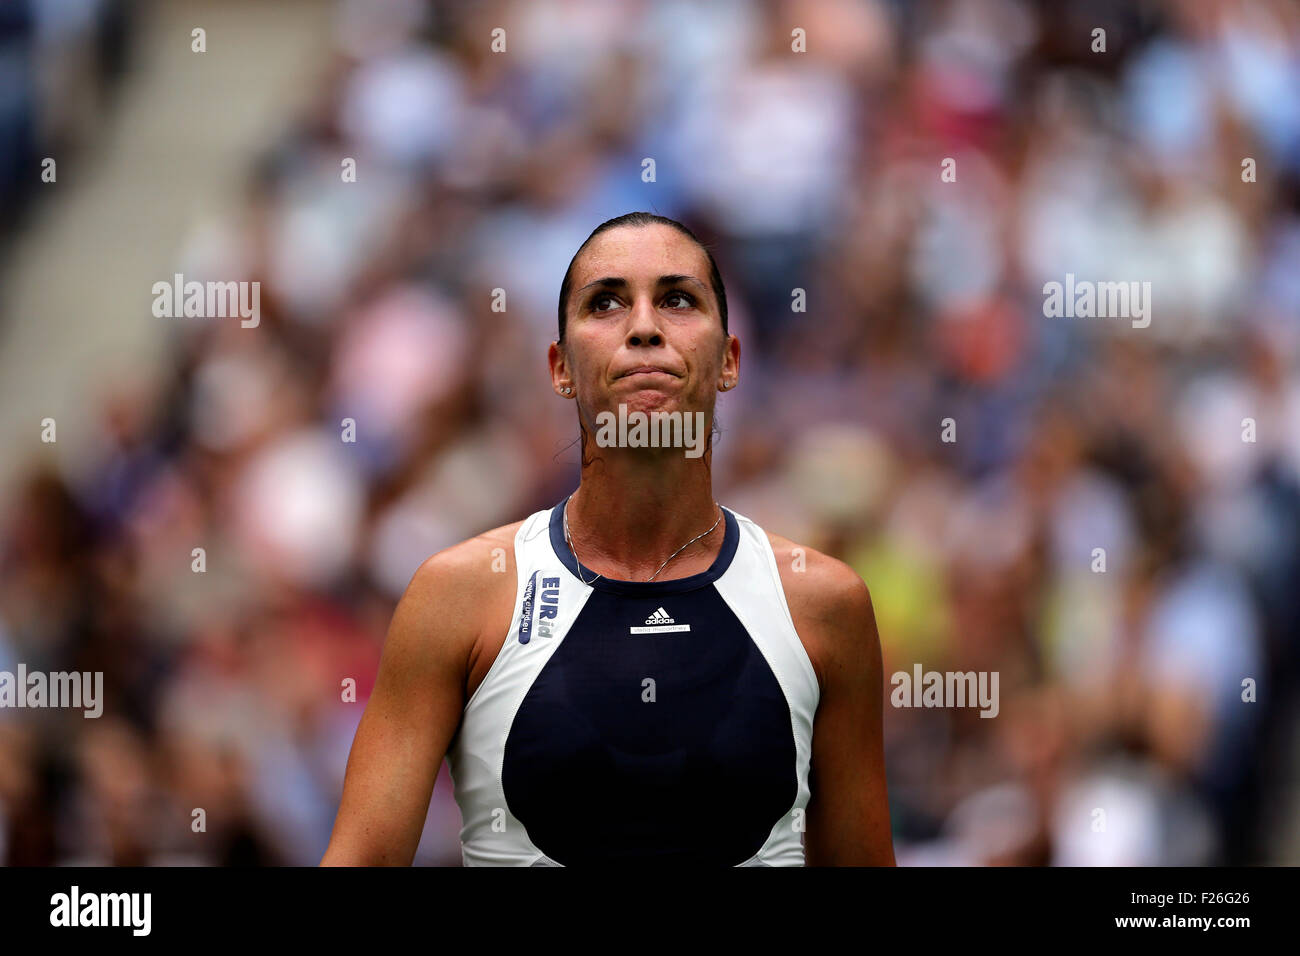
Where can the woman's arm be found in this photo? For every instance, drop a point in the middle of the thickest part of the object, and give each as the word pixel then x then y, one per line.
pixel 848 811
pixel 410 718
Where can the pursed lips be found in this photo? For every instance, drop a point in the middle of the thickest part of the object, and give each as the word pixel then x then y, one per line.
pixel 647 370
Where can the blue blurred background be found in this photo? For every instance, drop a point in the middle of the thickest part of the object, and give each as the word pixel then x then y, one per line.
pixel 1120 690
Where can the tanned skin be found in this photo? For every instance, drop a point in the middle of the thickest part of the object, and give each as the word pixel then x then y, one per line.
pixel 641 300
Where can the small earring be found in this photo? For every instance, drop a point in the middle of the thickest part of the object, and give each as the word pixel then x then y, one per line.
pixel 567 390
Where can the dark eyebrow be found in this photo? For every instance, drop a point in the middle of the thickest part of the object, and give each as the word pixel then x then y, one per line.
pixel 616 282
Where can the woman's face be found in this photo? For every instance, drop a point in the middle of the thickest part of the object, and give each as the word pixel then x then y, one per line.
pixel 643 327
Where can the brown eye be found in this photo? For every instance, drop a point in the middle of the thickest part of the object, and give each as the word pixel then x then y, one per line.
pixel 676 294
pixel 596 300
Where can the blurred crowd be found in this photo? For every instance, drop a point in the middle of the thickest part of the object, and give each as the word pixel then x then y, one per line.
pixel 60 63
pixel 1107 516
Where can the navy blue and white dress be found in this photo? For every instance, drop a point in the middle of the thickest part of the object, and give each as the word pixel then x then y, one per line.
pixel 652 723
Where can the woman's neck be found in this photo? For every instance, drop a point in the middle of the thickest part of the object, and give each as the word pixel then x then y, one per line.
pixel 635 507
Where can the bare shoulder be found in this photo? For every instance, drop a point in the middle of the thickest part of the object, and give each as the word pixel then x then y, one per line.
pixel 823 586
pixel 452 589
pixel 469 559
pixel 465 595
pixel 829 602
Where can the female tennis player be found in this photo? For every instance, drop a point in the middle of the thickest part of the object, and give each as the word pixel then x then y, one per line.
pixel 636 675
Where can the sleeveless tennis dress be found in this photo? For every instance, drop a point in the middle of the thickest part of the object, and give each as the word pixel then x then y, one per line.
pixel 660 723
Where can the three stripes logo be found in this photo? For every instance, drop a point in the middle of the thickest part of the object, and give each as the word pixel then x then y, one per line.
pixel 659 622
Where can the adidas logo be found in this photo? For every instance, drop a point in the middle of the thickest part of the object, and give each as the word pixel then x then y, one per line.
pixel 659 617
pixel 660 622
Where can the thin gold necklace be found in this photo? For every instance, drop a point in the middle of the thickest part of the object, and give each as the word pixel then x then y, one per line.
pixel 568 538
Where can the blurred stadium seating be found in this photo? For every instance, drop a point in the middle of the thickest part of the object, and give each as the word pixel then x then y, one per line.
pixel 820 171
